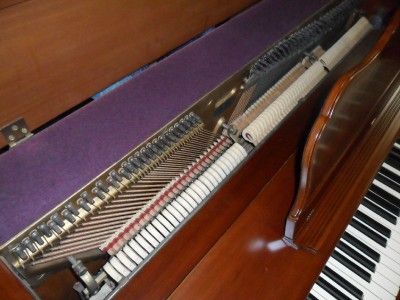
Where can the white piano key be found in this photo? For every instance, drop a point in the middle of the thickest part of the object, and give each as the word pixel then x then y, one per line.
pixel 386 188
pixel 371 243
pixel 322 293
pixel 394 228
pixel 195 197
pixel 154 232
pixel 132 254
pixel 391 243
pixel 170 218
pixel 370 290
pixel 160 227
pixel 390 168
pixel 175 213
pixel 109 269
pixel 184 203
pixel 375 277
pixel 334 284
pixel 188 195
pixel 397 145
pixel 143 243
pixel 114 261
pixel 123 258
pixel 380 267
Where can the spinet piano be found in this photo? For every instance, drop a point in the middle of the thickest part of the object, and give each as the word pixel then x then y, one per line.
pixel 199 209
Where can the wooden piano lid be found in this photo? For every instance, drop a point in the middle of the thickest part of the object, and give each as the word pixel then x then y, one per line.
pixel 356 127
pixel 56 54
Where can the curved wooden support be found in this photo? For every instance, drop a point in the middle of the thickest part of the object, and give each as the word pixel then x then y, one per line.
pixel 349 110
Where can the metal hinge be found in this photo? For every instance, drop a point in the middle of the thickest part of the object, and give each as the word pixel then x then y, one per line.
pixel 16 132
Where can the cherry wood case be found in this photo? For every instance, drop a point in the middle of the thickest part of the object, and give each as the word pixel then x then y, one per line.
pixel 56 54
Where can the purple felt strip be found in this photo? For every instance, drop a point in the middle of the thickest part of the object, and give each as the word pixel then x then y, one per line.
pixel 43 171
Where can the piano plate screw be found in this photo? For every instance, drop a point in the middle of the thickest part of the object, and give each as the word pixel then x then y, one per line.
pixel 14 127
pixel 11 137
pixel 24 130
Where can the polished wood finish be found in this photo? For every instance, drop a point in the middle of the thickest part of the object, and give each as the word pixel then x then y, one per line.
pixel 351 106
pixel 56 54
pixel 252 261
pixel 11 288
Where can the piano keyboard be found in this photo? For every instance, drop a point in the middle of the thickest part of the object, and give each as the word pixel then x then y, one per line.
pixel 145 232
pixel 365 263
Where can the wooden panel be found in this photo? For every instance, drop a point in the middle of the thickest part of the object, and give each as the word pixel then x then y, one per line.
pixel 10 287
pixel 7 3
pixel 353 103
pixel 55 54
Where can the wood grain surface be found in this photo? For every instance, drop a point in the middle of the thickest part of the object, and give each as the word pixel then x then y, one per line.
pixel 56 54
pixel 354 102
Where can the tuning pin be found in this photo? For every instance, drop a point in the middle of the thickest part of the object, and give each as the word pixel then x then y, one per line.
pixel 113 182
pixel 36 237
pixel 164 141
pixel 102 186
pixel 57 219
pixel 82 203
pixel 20 252
pixel 72 209
pixel 87 197
pixel 54 227
pixel 128 167
pixel 124 173
pixel 135 162
pixel 114 175
pixel 68 215
pixel 29 244
pixel 45 229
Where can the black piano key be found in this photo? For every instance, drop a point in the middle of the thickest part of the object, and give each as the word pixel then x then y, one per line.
pixel 394 177
pixel 311 297
pixel 331 289
pixel 396 151
pixel 351 266
pixel 385 195
pixel 369 232
pixel 372 223
pixel 361 259
pixel 393 160
pixel 379 211
pixel 387 181
pixel 343 283
pixel 361 246
pixel 383 203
